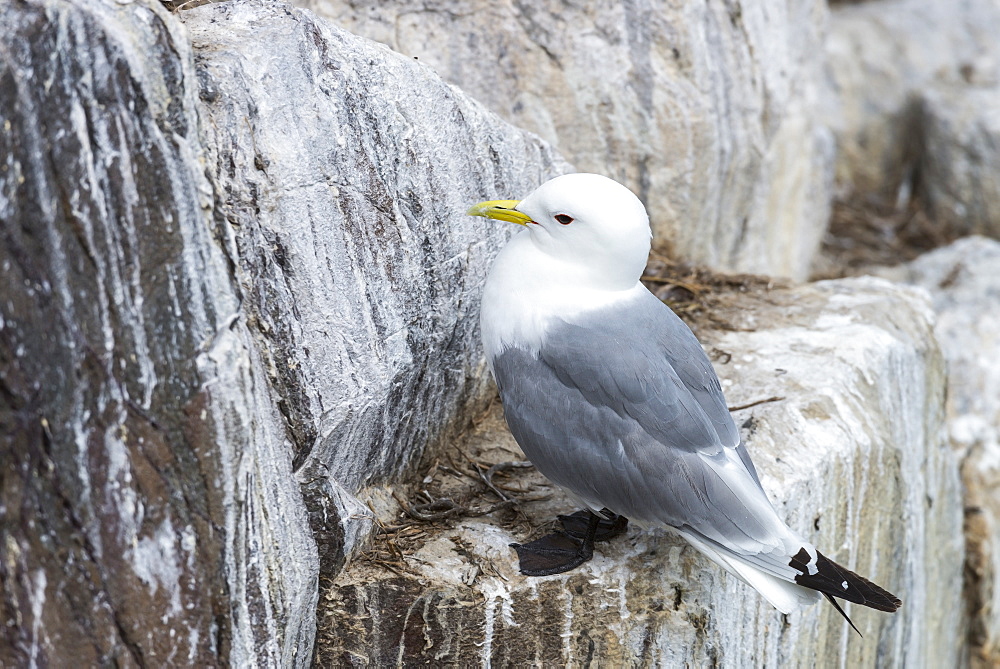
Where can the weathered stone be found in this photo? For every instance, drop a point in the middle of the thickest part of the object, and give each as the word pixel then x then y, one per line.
pixel 882 56
pixel 965 288
pixel 140 445
pixel 960 161
pixel 221 317
pixel 852 454
pixel 708 111
pixel 344 171
pixel 225 319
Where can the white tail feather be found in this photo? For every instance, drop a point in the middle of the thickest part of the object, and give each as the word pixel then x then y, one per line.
pixel 783 595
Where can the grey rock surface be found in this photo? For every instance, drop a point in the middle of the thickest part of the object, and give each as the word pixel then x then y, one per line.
pixel 238 302
pixel 853 455
pixel 964 283
pixel 237 288
pixel 960 161
pixel 881 57
pixel 140 443
pixel 708 111
pixel 344 171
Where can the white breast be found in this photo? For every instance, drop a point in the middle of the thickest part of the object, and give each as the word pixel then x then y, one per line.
pixel 528 290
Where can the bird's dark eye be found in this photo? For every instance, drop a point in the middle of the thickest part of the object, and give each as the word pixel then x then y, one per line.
pixel 564 219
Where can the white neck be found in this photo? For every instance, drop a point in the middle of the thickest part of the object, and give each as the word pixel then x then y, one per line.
pixel 528 290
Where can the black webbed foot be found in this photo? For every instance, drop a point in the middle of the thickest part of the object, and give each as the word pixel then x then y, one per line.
pixel 562 551
pixel 575 525
pixel 552 554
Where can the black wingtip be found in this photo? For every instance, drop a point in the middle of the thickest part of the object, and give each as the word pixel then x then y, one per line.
pixel 833 579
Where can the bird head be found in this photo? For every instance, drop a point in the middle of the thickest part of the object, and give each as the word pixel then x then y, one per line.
pixel 587 221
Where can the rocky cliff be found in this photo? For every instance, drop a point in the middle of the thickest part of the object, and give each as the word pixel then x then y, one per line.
pixel 233 297
pixel 239 303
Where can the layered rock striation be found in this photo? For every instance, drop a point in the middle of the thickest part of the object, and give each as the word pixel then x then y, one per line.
pixel 708 111
pixel 238 287
pixel 239 305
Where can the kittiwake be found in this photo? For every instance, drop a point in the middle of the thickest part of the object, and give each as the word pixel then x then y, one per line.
pixel 612 398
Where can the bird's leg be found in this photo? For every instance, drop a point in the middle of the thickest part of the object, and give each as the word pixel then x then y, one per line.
pixel 609 526
pixel 557 552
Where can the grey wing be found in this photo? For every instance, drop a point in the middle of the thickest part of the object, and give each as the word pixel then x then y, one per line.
pixel 643 360
pixel 604 412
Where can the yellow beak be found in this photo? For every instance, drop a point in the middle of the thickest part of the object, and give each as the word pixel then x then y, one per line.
pixel 501 210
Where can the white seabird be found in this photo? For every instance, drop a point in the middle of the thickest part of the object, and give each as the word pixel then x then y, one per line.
pixel 611 397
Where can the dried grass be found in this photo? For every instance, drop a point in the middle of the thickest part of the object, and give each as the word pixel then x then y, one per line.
pixel 871 233
pixel 702 297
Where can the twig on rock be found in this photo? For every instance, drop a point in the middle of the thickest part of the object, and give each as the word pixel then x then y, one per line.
pixel 753 404
pixel 487 476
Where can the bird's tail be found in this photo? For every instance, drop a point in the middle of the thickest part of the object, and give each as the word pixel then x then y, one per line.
pixel 834 580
